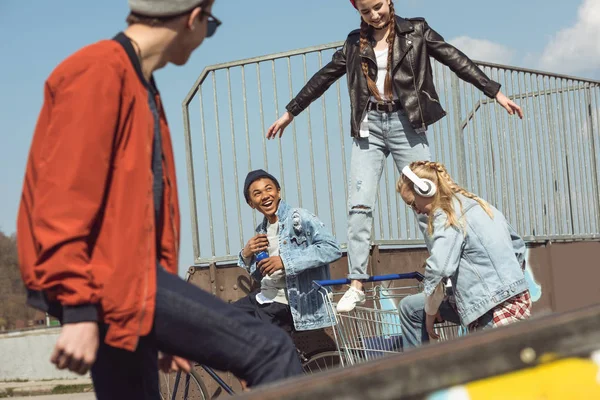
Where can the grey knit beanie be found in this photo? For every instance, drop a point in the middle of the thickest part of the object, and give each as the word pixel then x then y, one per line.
pixel 163 8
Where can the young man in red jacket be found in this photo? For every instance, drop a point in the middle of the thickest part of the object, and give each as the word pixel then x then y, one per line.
pixel 98 224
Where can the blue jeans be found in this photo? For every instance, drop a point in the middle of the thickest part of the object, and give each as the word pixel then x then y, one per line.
pixel 412 319
pixel 388 133
pixel 196 325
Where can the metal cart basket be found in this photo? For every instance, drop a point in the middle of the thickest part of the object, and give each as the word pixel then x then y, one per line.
pixel 374 330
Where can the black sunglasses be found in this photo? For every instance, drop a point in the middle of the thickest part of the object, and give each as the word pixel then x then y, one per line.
pixel 212 23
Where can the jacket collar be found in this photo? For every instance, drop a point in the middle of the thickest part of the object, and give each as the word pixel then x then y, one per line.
pixel 401 46
pixel 403 25
pixel 461 204
pixel 125 42
pixel 283 210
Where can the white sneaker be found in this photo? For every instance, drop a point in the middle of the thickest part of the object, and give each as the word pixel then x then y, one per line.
pixel 351 299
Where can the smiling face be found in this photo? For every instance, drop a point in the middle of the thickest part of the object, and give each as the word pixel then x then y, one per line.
pixel 374 12
pixel 264 196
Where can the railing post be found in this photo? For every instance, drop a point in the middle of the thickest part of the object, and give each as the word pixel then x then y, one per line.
pixel 458 134
pixel 212 272
pixel 594 160
pixel 189 161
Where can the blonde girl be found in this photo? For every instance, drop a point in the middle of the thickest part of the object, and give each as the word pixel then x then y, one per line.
pixel 469 242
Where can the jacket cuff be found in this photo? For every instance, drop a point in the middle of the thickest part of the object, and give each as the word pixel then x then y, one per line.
pixel 491 89
pixel 244 262
pixel 430 283
pixel 80 313
pixel 294 108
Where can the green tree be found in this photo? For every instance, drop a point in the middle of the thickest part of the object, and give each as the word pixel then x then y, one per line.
pixel 13 295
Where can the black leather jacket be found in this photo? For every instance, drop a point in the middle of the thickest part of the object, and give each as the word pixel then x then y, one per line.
pixel 411 72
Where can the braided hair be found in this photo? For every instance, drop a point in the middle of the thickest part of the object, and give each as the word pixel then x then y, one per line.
pixel 366 31
pixel 446 191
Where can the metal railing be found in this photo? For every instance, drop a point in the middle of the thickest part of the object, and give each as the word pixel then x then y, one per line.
pixel 542 172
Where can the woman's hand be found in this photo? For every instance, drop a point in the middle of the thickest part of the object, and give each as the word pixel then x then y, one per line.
pixel 430 322
pixel 509 105
pixel 279 125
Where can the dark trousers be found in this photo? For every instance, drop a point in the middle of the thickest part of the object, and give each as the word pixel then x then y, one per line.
pixel 195 325
pixel 274 313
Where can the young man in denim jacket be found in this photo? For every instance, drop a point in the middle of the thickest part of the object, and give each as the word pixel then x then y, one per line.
pixel 300 249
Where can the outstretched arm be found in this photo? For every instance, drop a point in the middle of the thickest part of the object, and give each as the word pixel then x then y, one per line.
pixel 314 88
pixel 466 69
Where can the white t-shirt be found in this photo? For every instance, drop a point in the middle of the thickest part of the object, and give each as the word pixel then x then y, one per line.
pixel 381 56
pixel 273 287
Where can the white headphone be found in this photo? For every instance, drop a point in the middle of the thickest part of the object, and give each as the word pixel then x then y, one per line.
pixel 423 187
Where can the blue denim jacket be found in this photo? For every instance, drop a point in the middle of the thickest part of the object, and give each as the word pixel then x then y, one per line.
pixel 306 248
pixel 482 259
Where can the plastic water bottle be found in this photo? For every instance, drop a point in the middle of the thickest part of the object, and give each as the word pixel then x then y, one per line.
pixel 261 256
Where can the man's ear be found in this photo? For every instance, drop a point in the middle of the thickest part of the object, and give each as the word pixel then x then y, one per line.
pixel 194 18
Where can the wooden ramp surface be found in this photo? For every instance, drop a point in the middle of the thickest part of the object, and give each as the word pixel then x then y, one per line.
pixel 547 356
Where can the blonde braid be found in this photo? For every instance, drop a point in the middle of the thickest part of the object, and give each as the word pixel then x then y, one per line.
pixel 458 189
pixel 365 29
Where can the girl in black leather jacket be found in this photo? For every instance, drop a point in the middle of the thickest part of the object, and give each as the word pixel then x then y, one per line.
pixel 393 101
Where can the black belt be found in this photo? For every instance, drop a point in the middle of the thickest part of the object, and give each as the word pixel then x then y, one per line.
pixel 384 107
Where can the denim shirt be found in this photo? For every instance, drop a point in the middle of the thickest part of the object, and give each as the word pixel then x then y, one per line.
pixel 482 259
pixel 306 248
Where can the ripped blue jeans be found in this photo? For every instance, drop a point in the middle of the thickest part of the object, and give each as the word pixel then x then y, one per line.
pixel 388 133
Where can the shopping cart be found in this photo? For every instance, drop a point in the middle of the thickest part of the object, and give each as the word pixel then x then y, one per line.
pixel 374 330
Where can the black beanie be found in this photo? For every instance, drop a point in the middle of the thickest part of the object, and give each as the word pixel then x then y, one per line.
pixel 254 176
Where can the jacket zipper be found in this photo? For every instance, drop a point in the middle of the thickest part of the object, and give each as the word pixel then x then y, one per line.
pixel 171 209
pixel 154 263
pixel 415 85
pixel 365 110
pixel 172 212
pixel 145 295
pixel 430 98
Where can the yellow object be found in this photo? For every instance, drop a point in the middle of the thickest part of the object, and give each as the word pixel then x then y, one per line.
pixel 571 378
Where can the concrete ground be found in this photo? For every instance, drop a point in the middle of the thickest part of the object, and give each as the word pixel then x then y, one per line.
pixel 72 396
pixel 45 389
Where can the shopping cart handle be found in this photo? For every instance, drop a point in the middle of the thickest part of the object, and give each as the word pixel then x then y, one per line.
pixel 377 278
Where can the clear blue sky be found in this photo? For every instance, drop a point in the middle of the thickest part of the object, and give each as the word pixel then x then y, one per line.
pixel 38 34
